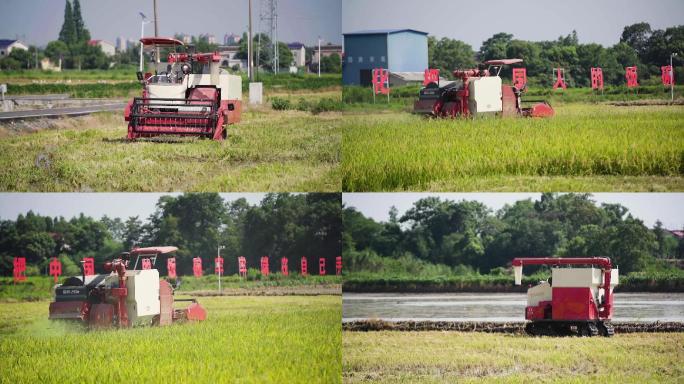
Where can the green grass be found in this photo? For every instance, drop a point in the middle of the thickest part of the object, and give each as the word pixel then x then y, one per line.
pixel 583 148
pixel 267 151
pixel 450 357
pixel 40 287
pixel 68 74
pixel 406 95
pixel 91 84
pixel 243 340
pixel 87 90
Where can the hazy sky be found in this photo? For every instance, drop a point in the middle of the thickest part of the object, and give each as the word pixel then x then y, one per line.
pixel 474 22
pixel 298 20
pixel 122 205
pixel 649 207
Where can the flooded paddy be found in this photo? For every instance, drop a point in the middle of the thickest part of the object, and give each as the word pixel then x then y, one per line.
pixel 495 307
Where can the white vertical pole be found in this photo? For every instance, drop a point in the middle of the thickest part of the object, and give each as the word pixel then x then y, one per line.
pixel 142 34
pixel 249 45
pixel 319 56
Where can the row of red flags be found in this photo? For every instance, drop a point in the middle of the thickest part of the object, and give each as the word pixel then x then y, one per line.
pixel 55 266
pixel 381 78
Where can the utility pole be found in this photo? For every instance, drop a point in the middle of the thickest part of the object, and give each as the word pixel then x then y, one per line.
pixel 156 26
pixel 220 266
pixel 142 34
pixel 319 56
pixel 250 69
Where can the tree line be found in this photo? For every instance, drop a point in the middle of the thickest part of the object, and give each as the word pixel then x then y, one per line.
pixel 439 236
pixel 640 45
pixel 281 225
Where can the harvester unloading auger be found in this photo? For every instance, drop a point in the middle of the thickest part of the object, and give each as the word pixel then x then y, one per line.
pixel 189 95
pixel 123 297
pixel 476 92
pixel 575 301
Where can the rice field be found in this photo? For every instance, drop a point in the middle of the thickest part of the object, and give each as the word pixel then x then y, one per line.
pixel 268 151
pixel 244 340
pixel 583 148
pixel 450 357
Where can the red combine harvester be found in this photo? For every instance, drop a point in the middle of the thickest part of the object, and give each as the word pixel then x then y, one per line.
pixel 123 297
pixel 575 301
pixel 189 95
pixel 478 92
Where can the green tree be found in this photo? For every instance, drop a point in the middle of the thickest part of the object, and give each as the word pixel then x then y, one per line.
pixel 495 47
pixel 68 33
pixel 81 32
pixel 449 54
pixel 56 50
pixel 637 36
pixel 331 64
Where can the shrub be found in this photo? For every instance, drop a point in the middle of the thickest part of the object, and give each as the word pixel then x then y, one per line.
pixel 325 105
pixel 280 104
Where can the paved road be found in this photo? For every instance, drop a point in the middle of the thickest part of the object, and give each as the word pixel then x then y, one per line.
pixel 59 112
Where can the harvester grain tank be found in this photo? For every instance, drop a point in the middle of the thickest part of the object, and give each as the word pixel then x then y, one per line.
pixel 123 297
pixel 476 92
pixel 575 301
pixel 188 95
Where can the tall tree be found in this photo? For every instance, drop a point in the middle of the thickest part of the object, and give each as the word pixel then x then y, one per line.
pixel 82 34
pixel 68 32
pixel 636 36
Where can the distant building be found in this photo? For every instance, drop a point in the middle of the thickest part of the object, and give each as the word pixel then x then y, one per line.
pixel 121 45
pixel 229 57
pixel 399 50
pixel 231 39
pixel 47 65
pixel 298 53
pixel 184 37
pixel 132 44
pixel 326 50
pixel 6 46
pixel 208 37
pixel 677 233
pixel 108 48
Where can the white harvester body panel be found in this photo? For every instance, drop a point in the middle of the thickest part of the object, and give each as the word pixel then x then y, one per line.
pixel 142 301
pixel 230 85
pixel 540 292
pixel 583 277
pixel 485 95
pixel 166 91
pixel 143 293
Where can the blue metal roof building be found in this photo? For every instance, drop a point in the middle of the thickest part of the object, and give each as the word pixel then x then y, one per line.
pixel 399 50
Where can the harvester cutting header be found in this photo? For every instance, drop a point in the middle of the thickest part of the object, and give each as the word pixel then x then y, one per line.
pixel 123 297
pixel 188 94
pixel 476 92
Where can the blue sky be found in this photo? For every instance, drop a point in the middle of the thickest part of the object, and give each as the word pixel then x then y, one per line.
pixel 474 22
pixel 649 207
pixel 39 21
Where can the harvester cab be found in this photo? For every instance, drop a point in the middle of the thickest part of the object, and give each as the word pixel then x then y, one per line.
pixel 123 297
pixel 188 94
pixel 575 301
pixel 477 92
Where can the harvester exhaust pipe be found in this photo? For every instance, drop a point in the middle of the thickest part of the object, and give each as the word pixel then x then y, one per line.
pixel 517 271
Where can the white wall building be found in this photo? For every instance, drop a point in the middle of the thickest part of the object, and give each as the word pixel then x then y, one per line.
pixel 6 46
pixel 108 48
pixel 298 54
